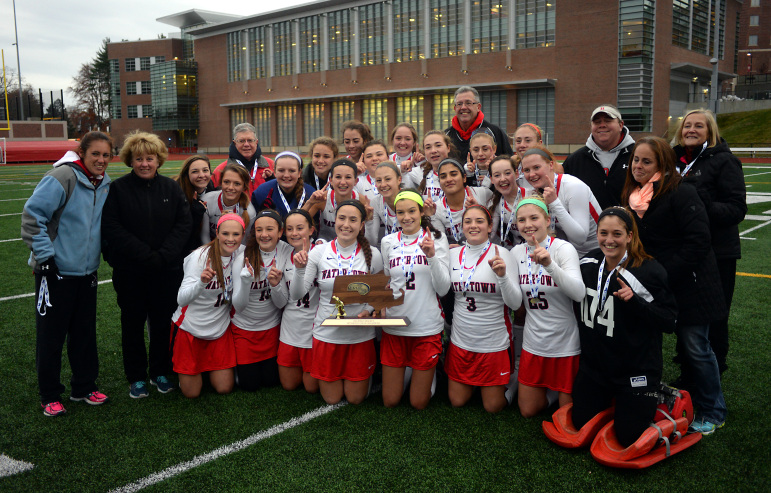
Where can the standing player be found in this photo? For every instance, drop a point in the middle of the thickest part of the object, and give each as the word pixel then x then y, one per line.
pixel 287 191
pixel 484 290
pixel 436 147
pixel 257 300
pixel 550 279
pixel 343 357
pixel 417 259
pixel 355 136
pixel 404 140
pixel 323 152
pixel 384 220
pixel 343 187
pixel 481 153
pixel 375 152
pixel 232 198
pixel 201 340
pixel 506 196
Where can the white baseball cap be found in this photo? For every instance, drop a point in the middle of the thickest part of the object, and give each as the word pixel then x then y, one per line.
pixel 609 110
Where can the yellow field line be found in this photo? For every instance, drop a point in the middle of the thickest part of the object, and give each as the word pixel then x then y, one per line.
pixel 748 274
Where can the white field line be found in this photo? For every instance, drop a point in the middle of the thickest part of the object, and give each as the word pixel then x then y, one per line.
pixel 755 227
pixel 756 218
pixel 9 466
pixel 10 200
pixel 756 174
pixel 12 214
pixel 30 295
pixel 200 460
pixel 755 166
pixel 12 239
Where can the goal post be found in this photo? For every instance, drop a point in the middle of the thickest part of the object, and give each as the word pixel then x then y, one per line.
pixel 3 148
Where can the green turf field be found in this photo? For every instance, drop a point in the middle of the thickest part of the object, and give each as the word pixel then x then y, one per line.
pixel 255 442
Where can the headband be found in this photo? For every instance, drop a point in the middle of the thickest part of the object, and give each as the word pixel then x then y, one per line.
pixel 535 150
pixel 537 202
pixel 408 194
pixel 356 204
pixel 346 162
pixel 389 164
pixel 271 214
pixel 620 213
pixel 231 217
pixel 303 213
pixel 478 206
pixel 455 163
pixel 537 130
pixel 290 154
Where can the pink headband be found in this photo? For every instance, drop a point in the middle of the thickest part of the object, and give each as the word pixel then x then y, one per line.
pixel 231 217
pixel 536 130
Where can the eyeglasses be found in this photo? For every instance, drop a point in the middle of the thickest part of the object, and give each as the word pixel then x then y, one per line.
pixel 461 104
pixel 246 141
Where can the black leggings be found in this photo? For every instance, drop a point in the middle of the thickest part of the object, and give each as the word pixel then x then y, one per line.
pixel 255 376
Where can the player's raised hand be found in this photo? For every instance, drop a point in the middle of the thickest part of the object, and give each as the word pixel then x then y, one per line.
pixel 274 276
pixel 549 194
pixel 625 293
pixel 248 266
pixel 406 165
pixel 367 207
pixel 429 207
pixel 470 200
pixel 208 273
pixel 497 264
pixel 427 245
pixel 470 164
pixel 540 255
pixel 300 258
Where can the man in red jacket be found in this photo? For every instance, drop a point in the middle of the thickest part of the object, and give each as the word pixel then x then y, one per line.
pixel 245 151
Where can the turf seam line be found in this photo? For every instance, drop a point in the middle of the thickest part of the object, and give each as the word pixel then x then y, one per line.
pixel 200 460
pixel 30 295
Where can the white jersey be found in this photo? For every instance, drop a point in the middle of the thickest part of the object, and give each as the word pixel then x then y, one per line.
pixel 398 159
pixel 325 263
pixel 257 304
pixel 415 176
pixel 327 216
pixel 366 186
pixel 450 221
pixel 575 213
pixel 383 221
pixel 299 313
pixel 423 280
pixel 215 208
pixel 551 329
pixel 481 322
pixel 505 231
pixel 204 308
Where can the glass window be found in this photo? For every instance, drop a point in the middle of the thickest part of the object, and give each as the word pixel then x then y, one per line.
pixel 174 96
pixel 283 48
pixel 144 63
pixel 635 68
pixel 131 88
pixel 407 34
pixel 700 36
pixel 310 44
pixel 537 106
pixel 494 107
pixel 287 126
pixel 372 36
pixel 681 22
pixel 237 115
pixel 116 112
pixel 342 111
pixel 146 87
pixel 753 40
pixel 130 64
pixel 375 114
pixel 114 66
pixel 535 23
pixel 489 25
pixel 313 121
pixel 261 116
pixel 147 111
pixel 754 20
pixel 132 111
pixel 160 59
pixel 234 56
pixel 258 56
pixel 409 109
pixel 339 36
pixel 446 28
pixel 443 111
pixel 754 3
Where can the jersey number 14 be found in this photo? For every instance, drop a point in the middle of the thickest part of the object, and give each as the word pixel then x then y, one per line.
pixel 589 308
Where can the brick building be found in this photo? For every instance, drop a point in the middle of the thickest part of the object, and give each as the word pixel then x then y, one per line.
pixel 754 57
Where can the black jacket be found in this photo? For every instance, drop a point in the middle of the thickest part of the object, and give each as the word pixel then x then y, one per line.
pixel 502 144
pixel 197 210
pixel 145 224
pixel 675 230
pixel 718 177
pixel 308 178
pixel 606 188
pixel 624 341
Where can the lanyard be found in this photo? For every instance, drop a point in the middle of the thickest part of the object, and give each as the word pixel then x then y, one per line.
pixel 505 234
pixel 449 215
pixel 266 268
pixel 412 256
pixel 438 195
pixel 221 203
pixel 254 168
pixel 535 278
pixel 374 188
pixel 552 218
pixel 43 300
pixel 603 292
pixel 335 248
pixel 690 165
pixel 474 268
pixel 387 221
pixel 286 204
pixel 318 185
pixel 228 278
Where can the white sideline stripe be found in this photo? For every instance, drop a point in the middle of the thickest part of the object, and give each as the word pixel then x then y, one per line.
pixel 30 295
pixel 756 174
pixel 13 214
pixel 757 218
pixel 200 460
pixel 12 239
pixel 756 166
pixel 10 200
pixel 9 466
pixel 754 228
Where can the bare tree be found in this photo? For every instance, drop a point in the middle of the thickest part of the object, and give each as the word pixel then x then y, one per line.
pixel 91 89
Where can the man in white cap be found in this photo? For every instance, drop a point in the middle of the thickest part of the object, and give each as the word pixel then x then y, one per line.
pixel 602 163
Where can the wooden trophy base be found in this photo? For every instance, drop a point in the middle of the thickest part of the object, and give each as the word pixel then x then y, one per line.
pixel 366 322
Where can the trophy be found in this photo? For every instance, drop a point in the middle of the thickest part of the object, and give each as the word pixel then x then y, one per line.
pixel 371 289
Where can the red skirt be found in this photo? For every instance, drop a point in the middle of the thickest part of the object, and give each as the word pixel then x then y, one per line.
pixel 419 353
pixel 193 356
pixel 553 373
pixel 253 346
pixel 477 369
pixel 333 362
pixel 295 357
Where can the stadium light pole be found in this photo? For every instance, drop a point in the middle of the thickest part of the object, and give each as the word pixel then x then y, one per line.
pixel 18 63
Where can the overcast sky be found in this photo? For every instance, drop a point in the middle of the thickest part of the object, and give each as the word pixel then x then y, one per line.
pixel 57 36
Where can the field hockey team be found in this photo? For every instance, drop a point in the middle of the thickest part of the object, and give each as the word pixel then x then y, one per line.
pixel 515 279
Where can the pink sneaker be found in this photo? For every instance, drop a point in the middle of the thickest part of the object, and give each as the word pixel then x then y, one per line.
pixel 95 398
pixel 53 409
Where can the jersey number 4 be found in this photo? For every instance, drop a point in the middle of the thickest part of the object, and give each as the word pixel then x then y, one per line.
pixel 589 308
pixel 305 301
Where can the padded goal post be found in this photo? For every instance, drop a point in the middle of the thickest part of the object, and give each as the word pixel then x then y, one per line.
pixel 3 147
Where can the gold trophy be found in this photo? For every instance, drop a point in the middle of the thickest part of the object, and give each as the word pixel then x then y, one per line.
pixel 371 289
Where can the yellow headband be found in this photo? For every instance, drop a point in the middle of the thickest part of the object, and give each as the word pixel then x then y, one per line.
pixel 406 194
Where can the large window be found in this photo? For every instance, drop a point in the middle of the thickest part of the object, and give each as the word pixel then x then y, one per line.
pixel 114 66
pixel 313 121
pixel 235 64
pixel 144 63
pixel 258 55
pixel 535 23
pixel 283 48
pixel 237 115
pixel 489 25
pixel 443 111
pixel 693 25
pixel 174 95
pixel 635 63
pixel 131 64
pixel 446 28
pixel 681 23
pixel 147 111
pixel 340 35
pixel 287 126
pixel 262 125
pixel 342 111
pixel 132 111
pixel 701 35
pixel 409 109
pixel 407 34
pixel 494 107
pixel 310 44
pixel 375 114
pixel 752 40
pixel 146 87
pixel 131 88
pixel 537 106
pixel 372 35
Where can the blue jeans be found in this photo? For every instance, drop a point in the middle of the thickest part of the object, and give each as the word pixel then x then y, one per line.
pixel 700 365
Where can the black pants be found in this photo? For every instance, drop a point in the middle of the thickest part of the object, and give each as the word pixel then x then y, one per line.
pixel 635 406
pixel 255 376
pixel 152 298
pixel 71 316
pixel 718 330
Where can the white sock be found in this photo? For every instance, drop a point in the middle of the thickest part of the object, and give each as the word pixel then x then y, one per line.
pixel 433 385
pixel 513 385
